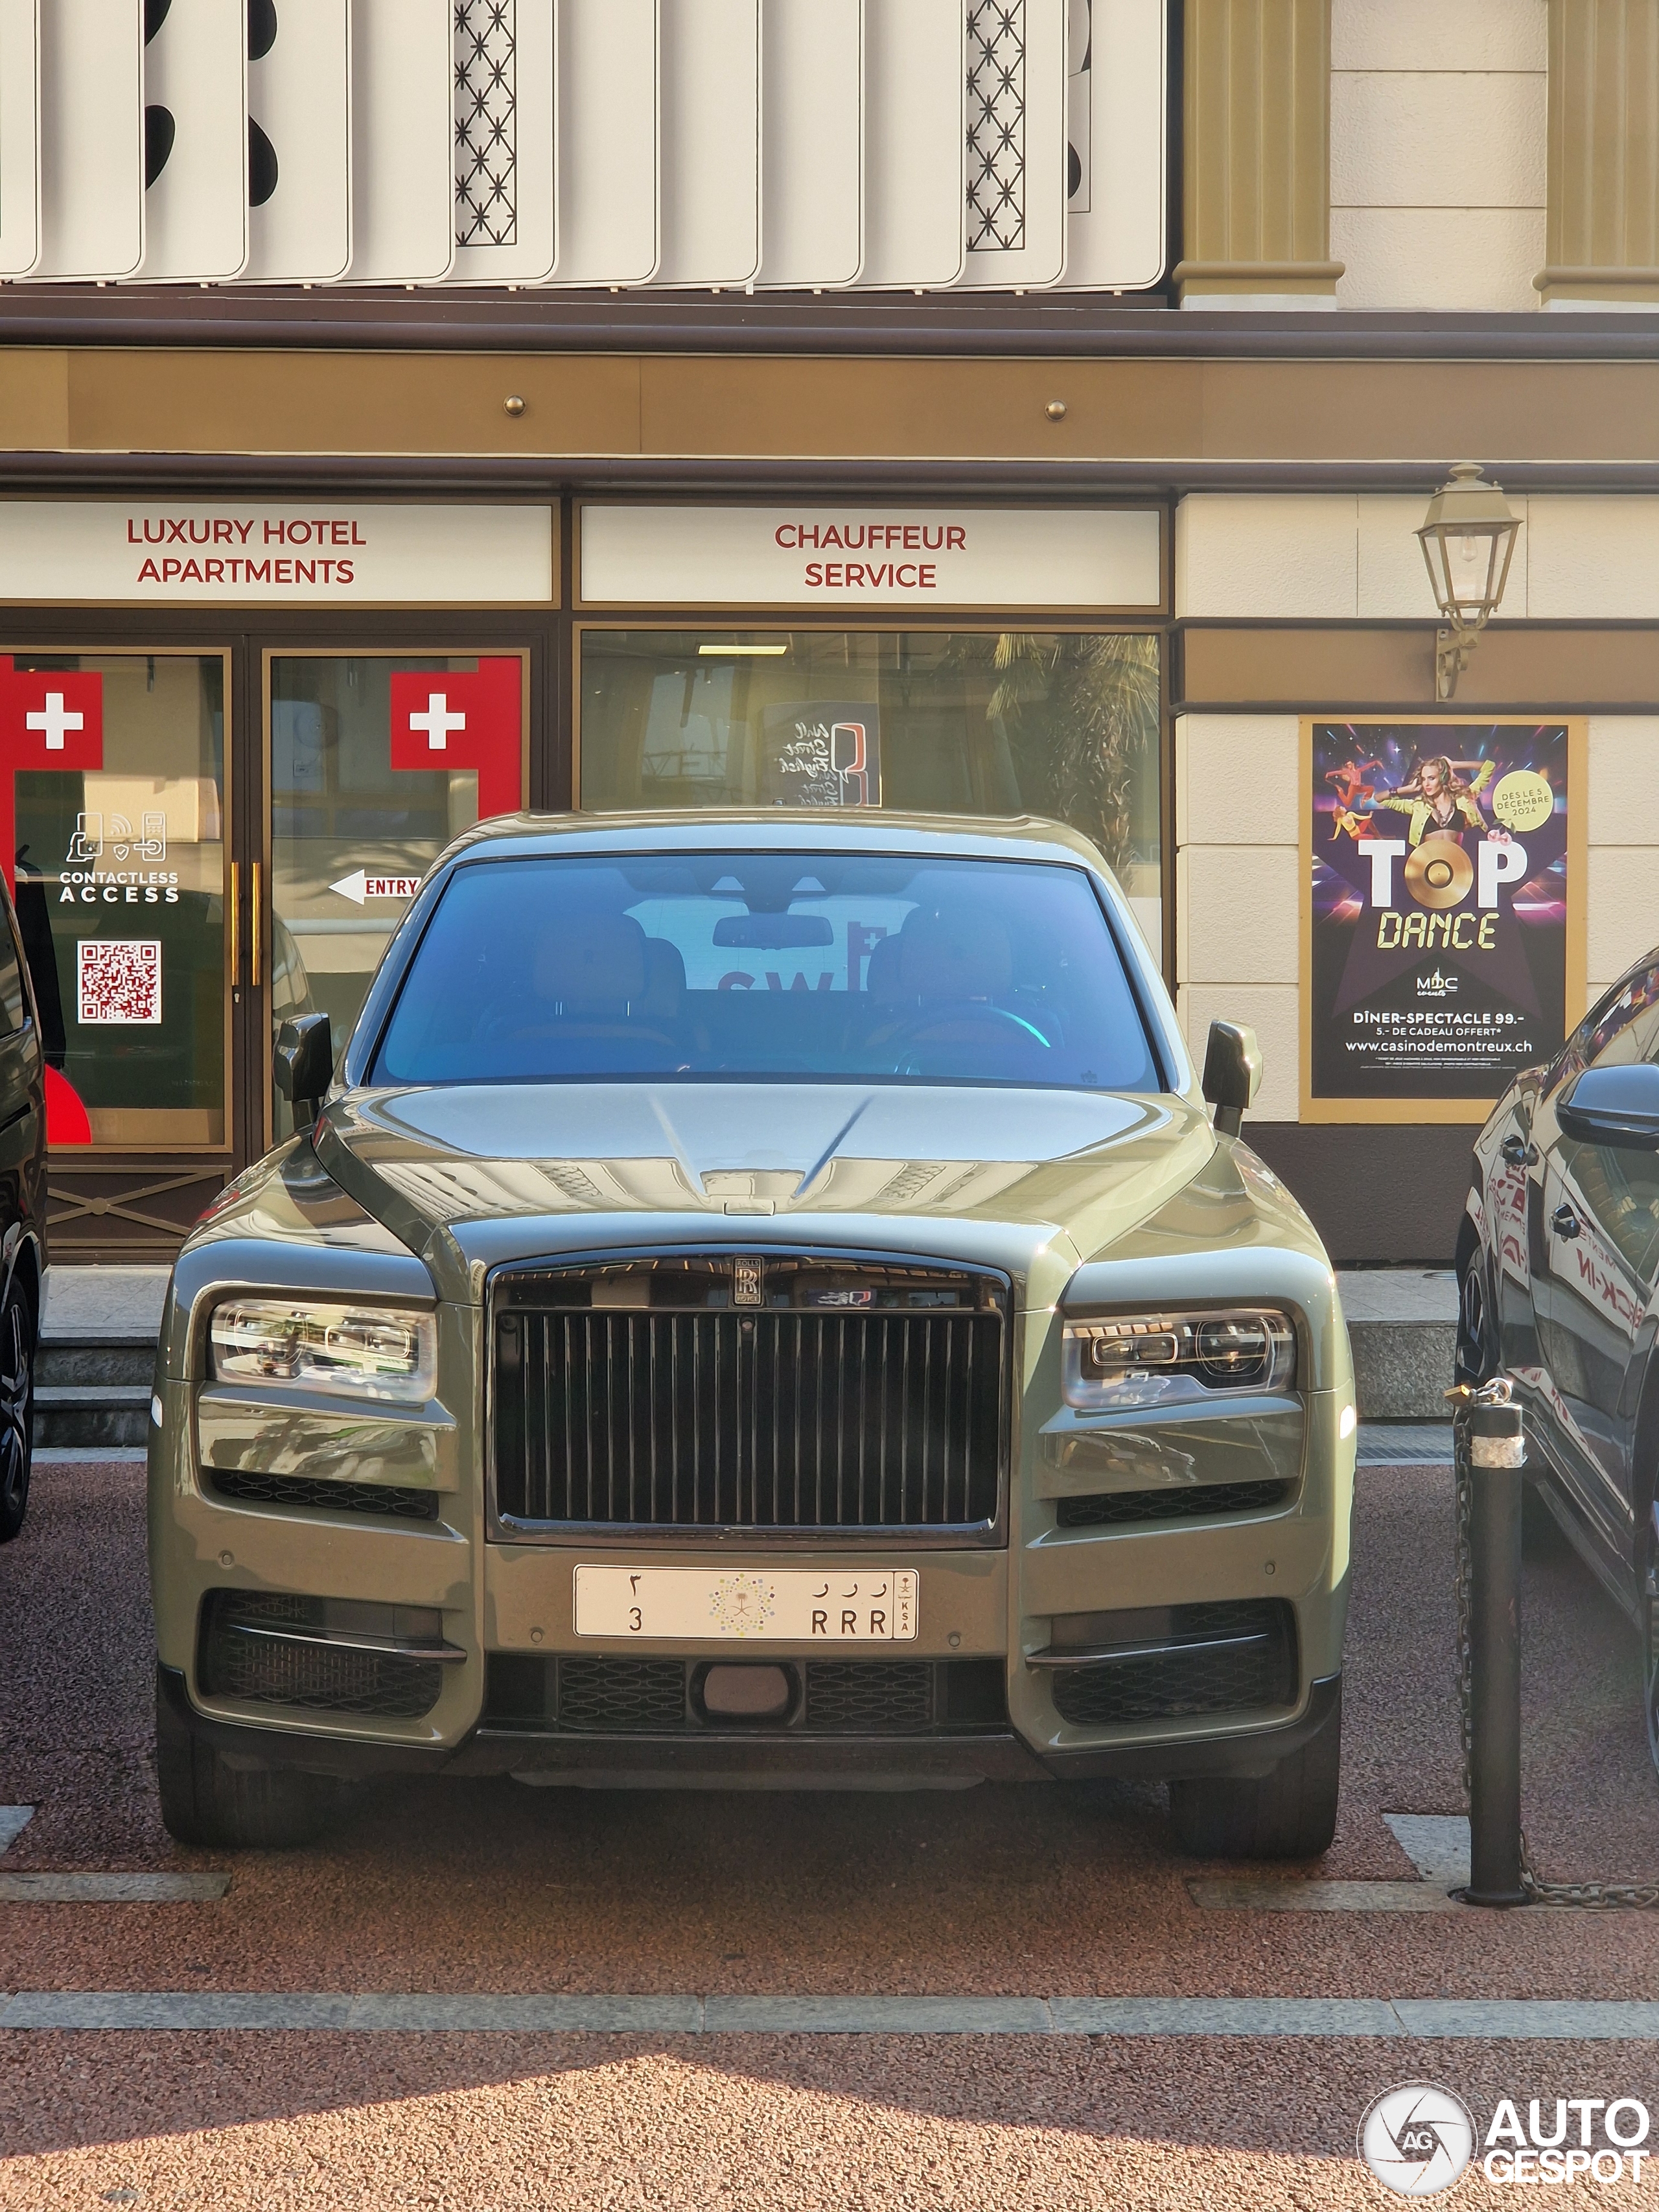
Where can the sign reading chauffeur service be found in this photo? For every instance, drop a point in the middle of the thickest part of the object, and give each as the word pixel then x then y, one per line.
pixel 164 552
pixel 867 553
pixel 1443 950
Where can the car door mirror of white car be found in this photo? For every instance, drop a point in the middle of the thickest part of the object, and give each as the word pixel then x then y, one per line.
pixel 1232 1074
pixel 1613 1106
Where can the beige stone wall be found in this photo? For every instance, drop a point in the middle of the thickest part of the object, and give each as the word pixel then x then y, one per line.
pixel 1439 152
pixel 1237 889
pixel 1343 557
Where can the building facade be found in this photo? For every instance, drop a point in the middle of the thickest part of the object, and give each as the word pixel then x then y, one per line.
pixel 1111 514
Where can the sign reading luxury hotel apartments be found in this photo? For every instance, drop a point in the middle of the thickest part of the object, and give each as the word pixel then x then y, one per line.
pixel 867 553
pixel 1442 947
pixel 155 551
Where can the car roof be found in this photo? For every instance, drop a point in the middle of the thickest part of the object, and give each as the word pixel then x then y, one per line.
pixel 777 828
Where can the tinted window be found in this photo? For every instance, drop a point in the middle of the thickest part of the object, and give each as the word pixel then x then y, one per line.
pixel 793 967
pixel 1620 1028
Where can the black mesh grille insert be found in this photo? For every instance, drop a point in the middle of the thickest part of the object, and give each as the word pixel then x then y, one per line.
pixel 1219 1659
pixel 691 1414
pixel 885 1697
pixel 268 1670
pixel 853 1696
pixel 622 1693
pixel 1199 1503
pixel 382 1499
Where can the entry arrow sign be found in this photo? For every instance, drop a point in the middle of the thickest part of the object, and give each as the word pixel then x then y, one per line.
pixel 360 885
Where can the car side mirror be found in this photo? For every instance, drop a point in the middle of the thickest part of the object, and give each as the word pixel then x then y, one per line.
pixel 1232 1074
pixel 1613 1106
pixel 304 1065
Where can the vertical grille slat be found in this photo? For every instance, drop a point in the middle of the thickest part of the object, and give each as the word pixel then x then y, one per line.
pixel 692 1413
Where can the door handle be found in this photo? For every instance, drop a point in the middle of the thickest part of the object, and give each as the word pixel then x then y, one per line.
pixel 253 931
pixel 1564 1222
pixel 236 925
pixel 1518 1152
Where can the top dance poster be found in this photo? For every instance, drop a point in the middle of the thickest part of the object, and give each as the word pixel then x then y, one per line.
pixel 1438 931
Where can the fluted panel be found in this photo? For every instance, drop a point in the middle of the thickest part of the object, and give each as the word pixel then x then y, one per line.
pixel 1602 236
pixel 1257 160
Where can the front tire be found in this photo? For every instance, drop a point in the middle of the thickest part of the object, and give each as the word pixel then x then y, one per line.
pixel 1477 1356
pixel 16 1406
pixel 214 1806
pixel 1289 1813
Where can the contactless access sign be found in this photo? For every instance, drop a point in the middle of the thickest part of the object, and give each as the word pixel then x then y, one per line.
pixel 1443 950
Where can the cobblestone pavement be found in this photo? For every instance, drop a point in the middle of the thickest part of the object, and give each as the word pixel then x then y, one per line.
pixel 454 1886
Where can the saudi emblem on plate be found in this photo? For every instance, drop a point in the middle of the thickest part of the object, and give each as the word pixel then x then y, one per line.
pixel 741 1605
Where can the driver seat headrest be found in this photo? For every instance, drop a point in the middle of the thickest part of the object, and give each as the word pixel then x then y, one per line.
pixel 595 961
pixel 953 953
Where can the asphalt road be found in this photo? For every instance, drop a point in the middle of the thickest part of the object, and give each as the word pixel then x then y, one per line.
pixel 1061 1892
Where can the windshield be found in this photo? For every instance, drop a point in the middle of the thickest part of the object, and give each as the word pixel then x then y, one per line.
pixel 795 967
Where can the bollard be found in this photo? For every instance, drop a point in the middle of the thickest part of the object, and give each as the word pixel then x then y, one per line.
pixel 1491 1443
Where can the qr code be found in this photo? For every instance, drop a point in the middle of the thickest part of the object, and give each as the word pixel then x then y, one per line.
pixel 120 978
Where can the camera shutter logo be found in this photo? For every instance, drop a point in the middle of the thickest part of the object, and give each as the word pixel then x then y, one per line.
pixel 1417 2139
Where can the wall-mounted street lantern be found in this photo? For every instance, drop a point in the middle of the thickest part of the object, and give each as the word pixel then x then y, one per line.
pixel 1469 539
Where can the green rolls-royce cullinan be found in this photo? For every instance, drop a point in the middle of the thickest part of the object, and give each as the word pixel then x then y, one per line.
pixel 761 1300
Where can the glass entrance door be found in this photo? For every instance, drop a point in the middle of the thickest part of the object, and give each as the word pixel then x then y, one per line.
pixel 114 780
pixel 376 761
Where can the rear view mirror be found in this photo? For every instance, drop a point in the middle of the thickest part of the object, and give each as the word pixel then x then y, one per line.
pixel 1613 1106
pixel 1232 1074
pixel 304 1065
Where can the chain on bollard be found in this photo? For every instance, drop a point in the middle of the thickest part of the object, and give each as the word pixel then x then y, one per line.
pixel 1489 1448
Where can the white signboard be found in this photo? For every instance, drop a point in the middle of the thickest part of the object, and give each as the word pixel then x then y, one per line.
pixel 812 141
pixel 299 99
pixel 20 136
pixel 868 555
pixel 1117 158
pixel 225 552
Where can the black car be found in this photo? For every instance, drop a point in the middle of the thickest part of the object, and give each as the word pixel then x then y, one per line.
pixel 23 1215
pixel 1557 1268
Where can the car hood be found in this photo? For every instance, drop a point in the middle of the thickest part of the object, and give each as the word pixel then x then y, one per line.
pixel 1032 1181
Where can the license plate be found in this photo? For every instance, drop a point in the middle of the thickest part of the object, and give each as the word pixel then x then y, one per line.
pixel 793 1606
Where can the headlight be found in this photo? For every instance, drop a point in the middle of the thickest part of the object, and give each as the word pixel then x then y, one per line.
pixel 1157 1359
pixel 367 1351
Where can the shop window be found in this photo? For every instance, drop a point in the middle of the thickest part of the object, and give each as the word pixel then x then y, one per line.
pixel 1060 724
pixel 357 815
pixel 116 790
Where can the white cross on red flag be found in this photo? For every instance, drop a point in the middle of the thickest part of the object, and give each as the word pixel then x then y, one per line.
pixel 49 718
pixel 445 718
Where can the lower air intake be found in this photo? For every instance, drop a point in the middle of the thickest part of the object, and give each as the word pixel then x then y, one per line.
pixel 387 1501
pixel 1224 1658
pixel 245 1655
pixel 1211 1499
pixel 602 1696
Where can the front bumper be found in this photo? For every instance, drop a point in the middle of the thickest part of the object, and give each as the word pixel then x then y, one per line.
pixel 768 1760
pixel 991 1604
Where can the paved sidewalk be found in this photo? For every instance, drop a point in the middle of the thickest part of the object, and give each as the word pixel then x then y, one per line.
pixel 84 1303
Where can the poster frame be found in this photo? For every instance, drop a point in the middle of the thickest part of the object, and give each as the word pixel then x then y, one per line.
pixel 1471 1111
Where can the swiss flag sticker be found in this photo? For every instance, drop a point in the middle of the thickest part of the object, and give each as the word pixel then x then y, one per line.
pixel 49 718
pixel 440 718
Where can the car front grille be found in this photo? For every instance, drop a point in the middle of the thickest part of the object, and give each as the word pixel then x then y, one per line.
pixel 387 1500
pixel 793 1395
pixel 244 1654
pixel 583 1694
pixel 1211 1498
pixel 1215 1658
